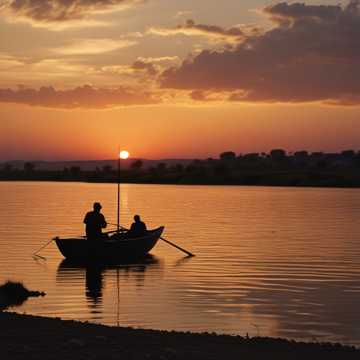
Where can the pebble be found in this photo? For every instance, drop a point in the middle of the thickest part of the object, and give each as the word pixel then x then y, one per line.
pixel 77 342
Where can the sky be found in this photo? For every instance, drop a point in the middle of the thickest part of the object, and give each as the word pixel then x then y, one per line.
pixel 177 79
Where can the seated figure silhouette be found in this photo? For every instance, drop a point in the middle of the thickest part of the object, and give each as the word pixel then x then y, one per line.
pixel 95 222
pixel 138 228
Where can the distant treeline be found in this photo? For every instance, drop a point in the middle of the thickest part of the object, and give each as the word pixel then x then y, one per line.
pixel 277 168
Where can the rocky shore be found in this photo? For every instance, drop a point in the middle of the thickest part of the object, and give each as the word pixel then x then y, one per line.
pixel 30 337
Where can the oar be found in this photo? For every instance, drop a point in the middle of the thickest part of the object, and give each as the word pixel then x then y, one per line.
pixel 110 232
pixel 120 228
pixel 43 247
pixel 36 257
pixel 49 242
pixel 176 246
pixel 168 242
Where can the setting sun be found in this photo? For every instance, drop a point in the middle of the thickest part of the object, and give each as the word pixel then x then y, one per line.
pixel 124 155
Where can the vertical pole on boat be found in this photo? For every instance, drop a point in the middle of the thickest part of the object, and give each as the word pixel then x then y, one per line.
pixel 122 155
pixel 118 196
pixel 118 296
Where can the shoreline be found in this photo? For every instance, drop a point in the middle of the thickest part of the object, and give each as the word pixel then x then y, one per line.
pixel 310 186
pixel 30 336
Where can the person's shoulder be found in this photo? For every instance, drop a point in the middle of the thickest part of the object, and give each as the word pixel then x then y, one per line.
pixel 87 217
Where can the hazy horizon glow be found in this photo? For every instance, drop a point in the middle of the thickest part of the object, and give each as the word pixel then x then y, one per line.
pixel 178 79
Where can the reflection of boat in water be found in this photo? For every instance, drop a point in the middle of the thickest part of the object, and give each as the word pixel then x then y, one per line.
pixel 91 279
pixel 118 247
pixel 93 274
pixel 71 266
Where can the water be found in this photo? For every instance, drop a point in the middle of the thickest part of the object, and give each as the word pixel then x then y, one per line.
pixel 281 262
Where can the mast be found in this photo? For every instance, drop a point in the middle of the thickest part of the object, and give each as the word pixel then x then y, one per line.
pixel 118 196
pixel 122 155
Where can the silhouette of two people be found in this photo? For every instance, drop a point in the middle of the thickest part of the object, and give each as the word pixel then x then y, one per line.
pixel 95 222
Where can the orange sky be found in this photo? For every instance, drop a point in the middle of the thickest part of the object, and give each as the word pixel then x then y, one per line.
pixel 177 79
pixel 163 132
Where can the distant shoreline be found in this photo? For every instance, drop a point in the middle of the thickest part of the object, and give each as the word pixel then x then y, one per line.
pixel 197 183
pixel 26 336
pixel 301 169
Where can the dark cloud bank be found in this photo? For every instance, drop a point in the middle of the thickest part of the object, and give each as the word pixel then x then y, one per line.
pixel 81 97
pixel 311 54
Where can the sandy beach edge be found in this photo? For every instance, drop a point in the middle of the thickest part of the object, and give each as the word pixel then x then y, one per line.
pixel 33 337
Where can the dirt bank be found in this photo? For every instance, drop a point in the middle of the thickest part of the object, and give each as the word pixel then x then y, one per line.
pixel 29 337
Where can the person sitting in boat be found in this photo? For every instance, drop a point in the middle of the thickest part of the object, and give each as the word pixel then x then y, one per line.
pixel 95 222
pixel 138 228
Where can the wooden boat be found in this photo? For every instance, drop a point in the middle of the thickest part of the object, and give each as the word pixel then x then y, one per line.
pixel 117 247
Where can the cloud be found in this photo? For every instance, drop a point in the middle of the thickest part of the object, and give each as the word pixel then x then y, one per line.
pixel 117 70
pixel 85 96
pixel 147 67
pixel 8 62
pixel 234 34
pixel 209 96
pixel 143 69
pixel 14 70
pixel 311 54
pixel 70 71
pixel 153 66
pixel 182 13
pixel 93 46
pixel 285 13
pixel 57 12
pixel 160 59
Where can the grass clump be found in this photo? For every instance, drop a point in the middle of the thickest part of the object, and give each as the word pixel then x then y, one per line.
pixel 15 294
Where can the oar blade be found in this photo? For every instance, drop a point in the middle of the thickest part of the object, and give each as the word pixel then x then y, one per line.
pixel 177 247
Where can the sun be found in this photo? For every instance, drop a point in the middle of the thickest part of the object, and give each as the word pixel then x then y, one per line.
pixel 124 155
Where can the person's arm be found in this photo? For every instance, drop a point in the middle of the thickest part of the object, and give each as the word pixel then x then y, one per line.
pixel 103 222
pixel 86 219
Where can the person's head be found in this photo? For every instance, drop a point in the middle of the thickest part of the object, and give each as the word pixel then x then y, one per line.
pixel 97 207
pixel 137 218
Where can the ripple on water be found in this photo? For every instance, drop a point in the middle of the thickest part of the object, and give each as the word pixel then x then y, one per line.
pixel 270 261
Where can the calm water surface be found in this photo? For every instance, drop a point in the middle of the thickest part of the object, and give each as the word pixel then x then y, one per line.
pixel 271 261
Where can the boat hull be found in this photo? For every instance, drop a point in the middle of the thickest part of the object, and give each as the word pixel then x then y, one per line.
pixel 118 247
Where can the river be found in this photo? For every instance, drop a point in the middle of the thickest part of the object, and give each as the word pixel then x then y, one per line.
pixel 282 262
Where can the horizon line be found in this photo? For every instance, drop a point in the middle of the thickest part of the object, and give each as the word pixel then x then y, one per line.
pixel 180 158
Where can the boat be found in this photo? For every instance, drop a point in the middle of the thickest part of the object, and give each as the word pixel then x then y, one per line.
pixel 117 247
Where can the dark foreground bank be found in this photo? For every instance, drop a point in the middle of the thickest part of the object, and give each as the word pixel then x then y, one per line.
pixel 29 337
